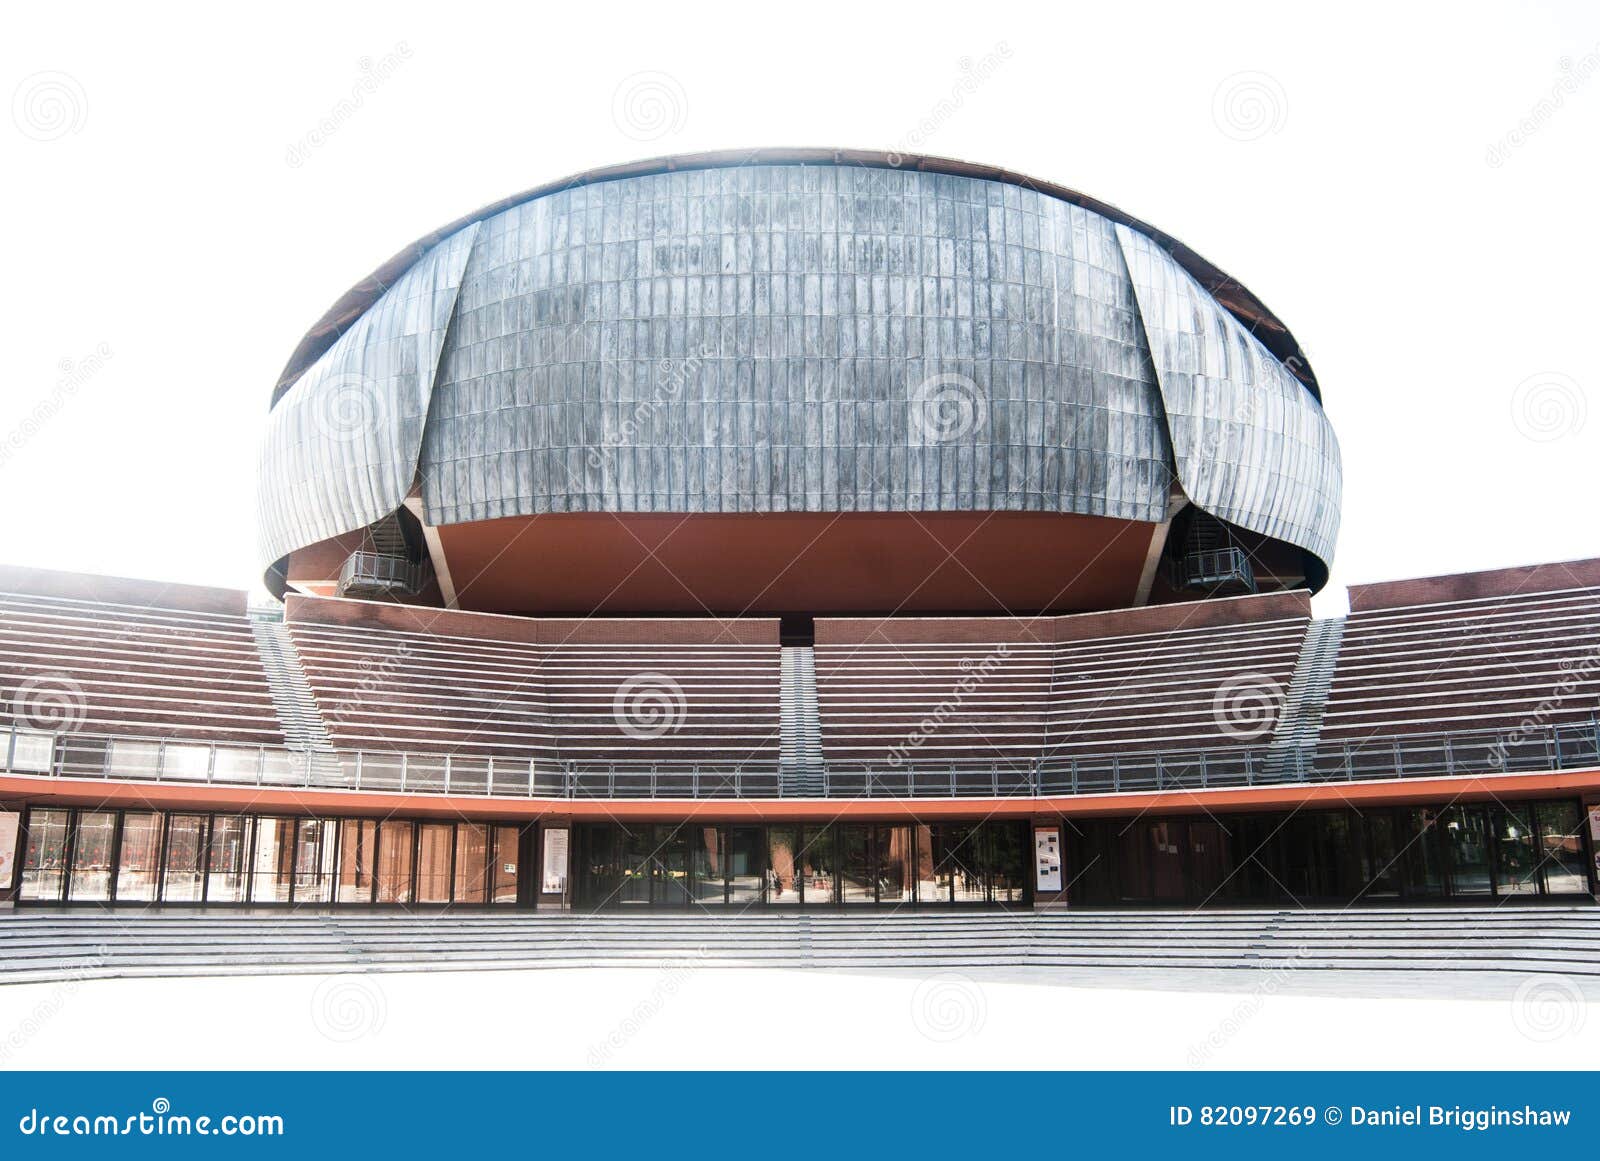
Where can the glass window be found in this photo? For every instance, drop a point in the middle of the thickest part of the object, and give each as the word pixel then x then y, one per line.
pixel 91 856
pixel 1561 840
pixel 638 860
pixel 746 847
pixel 313 859
pixel 710 865
pixel 44 860
pixel 433 866
pixel 504 880
pixel 856 880
pixel 932 886
pixel 1381 862
pixel 182 877
pixel 358 855
pixel 816 866
pixel 895 864
pixel 225 874
pixel 472 860
pixel 395 839
pixel 139 857
pixel 272 870
pixel 1466 834
pixel 961 860
pixel 1424 862
pixel 1516 851
pixel 1009 863
pixel 783 885
pixel 672 856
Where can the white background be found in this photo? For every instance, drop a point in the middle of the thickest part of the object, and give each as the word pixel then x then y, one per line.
pixel 1351 165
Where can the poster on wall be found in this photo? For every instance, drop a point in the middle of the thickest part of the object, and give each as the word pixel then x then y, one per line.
pixel 9 821
pixel 555 862
pixel 1047 852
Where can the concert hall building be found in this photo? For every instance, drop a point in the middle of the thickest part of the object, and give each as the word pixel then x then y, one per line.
pixel 798 529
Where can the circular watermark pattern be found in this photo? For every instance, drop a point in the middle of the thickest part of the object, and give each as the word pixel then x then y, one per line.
pixel 1549 406
pixel 949 1006
pixel 1548 1008
pixel 347 1008
pixel 51 703
pixel 649 105
pixel 648 705
pixel 1245 706
pixel 946 408
pixel 348 408
pixel 1249 106
pixel 49 106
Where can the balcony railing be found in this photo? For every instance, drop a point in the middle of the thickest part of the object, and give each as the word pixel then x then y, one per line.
pixel 1565 746
pixel 377 573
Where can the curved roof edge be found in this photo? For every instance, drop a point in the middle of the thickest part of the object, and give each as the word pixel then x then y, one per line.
pixel 1233 295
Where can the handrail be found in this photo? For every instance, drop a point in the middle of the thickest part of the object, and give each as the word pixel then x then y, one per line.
pixel 1554 746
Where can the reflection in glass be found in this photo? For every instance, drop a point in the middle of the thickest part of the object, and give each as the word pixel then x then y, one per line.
pixel 1466 832
pixel 1561 838
pixel 44 861
pixel 895 868
pixel 1381 861
pixel 710 886
pixel 472 861
pixel 358 853
pixel 1008 861
pixel 1516 852
pixel 91 856
pixel 783 885
pixel 856 883
pixel 313 859
pixel 746 846
pixel 433 866
pixel 638 859
pixel 933 886
pixel 506 860
pixel 271 870
pixel 816 866
pixel 394 861
pixel 672 859
pixel 182 880
pixel 139 857
pixel 226 870
pixel 1425 871
pixel 961 859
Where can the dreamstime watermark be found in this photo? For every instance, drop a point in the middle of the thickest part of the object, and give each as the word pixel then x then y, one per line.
pixel 974 675
pixel 1573 76
pixel 373 74
pixel 1575 677
pixel 347 407
pixel 47 1009
pixel 348 1008
pixel 649 705
pixel 674 973
pixel 48 106
pixel 1245 707
pixel 50 703
pixel 673 375
pixel 648 106
pixel 1549 1008
pixel 1244 1011
pixel 374 679
pixel 1549 406
pixel 74 375
pixel 973 75
pixel 945 408
pixel 1248 106
pixel 949 1006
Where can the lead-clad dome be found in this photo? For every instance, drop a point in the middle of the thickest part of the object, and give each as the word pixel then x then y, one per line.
pixel 799 332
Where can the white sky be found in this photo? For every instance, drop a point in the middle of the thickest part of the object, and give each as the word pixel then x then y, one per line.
pixel 1424 283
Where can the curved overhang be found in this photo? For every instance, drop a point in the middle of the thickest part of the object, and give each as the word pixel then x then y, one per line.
pixel 1265 326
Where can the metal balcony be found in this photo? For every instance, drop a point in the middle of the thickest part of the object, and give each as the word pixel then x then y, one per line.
pixel 1214 570
pixel 377 575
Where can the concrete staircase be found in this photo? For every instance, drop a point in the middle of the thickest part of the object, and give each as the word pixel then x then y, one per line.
pixel 800 742
pixel 1294 741
pixel 1564 939
pixel 296 705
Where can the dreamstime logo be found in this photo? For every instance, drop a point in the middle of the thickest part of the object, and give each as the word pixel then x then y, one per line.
pixel 946 408
pixel 949 1006
pixel 1573 75
pixel 49 106
pixel 347 408
pixel 51 703
pixel 1245 706
pixel 74 376
pixel 1248 106
pixel 649 105
pixel 1547 1008
pixel 973 75
pixel 373 74
pixel 1549 406
pixel 648 705
pixel 347 1008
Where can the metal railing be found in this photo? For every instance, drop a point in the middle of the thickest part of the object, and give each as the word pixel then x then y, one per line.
pixel 380 572
pixel 1564 746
